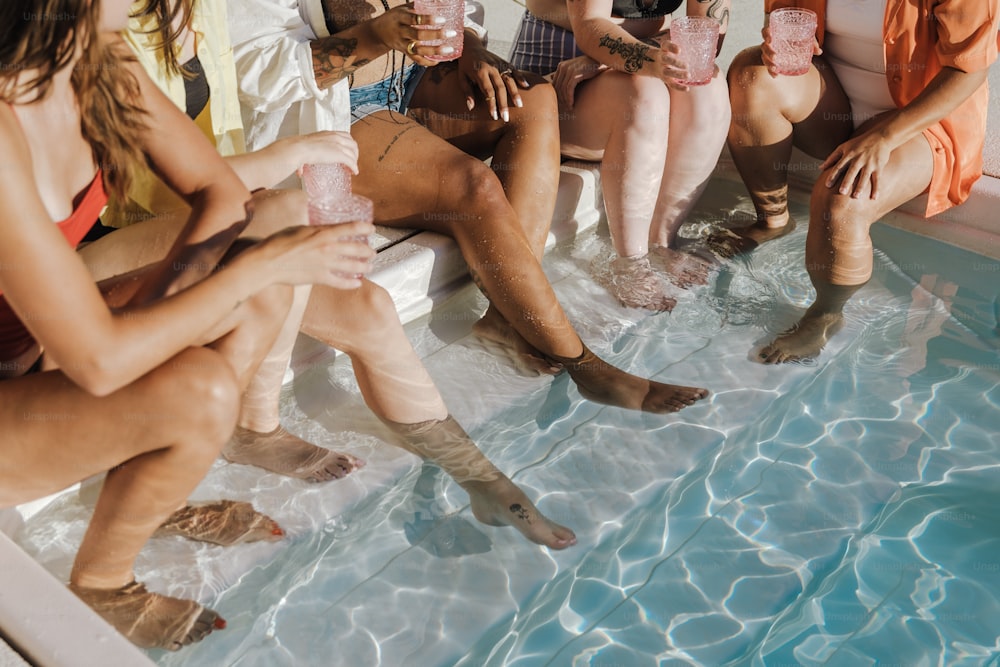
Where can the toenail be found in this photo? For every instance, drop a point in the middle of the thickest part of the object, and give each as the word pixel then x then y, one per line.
pixel 219 623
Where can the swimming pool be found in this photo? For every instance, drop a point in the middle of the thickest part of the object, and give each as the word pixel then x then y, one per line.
pixel 841 513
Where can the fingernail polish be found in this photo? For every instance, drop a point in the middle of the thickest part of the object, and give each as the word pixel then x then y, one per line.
pixel 445 50
pixel 439 20
pixel 506 116
pixel 518 103
pixel 450 33
pixel 493 115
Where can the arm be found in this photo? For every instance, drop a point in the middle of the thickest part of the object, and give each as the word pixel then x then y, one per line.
pixel 857 162
pixel 274 163
pixel 189 164
pixel 611 45
pixel 50 288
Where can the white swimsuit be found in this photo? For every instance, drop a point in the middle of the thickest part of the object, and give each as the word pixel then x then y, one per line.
pixel 853 45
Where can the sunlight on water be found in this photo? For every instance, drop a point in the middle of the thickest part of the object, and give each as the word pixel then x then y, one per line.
pixel 843 512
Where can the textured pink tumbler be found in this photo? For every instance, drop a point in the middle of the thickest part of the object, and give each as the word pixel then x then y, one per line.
pixel 453 11
pixel 322 181
pixel 698 39
pixel 341 209
pixel 792 35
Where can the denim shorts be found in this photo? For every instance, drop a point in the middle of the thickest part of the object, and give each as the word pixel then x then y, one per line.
pixel 386 94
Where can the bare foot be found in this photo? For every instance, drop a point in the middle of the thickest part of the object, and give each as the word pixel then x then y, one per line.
pixel 728 243
pixel 601 382
pixel 634 283
pixel 150 620
pixel 223 522
pixel 681 268
pixel 286 454
pixel 804 340
pixel 527 359
pixel 502 503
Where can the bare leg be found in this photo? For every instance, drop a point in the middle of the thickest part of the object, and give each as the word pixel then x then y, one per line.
pixel 699 121
pixel 770 114
pixel 495 499
pixel 259 438
pixel 526 159
pixel 163 432
pixel 630 139
pixel 471 207
pixel 839 249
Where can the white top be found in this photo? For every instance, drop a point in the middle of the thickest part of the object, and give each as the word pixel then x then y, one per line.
pixel 854 47
pixel 274 68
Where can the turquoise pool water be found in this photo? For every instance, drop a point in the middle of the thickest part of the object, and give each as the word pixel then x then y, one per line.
pixel 845 512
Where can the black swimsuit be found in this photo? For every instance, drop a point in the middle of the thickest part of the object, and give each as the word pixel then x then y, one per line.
pixel 634 9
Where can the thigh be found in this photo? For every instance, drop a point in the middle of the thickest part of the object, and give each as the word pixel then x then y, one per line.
pixel 414 177
pixel 599 105
pixel 56 434
pixel 439 103
pixel 819 111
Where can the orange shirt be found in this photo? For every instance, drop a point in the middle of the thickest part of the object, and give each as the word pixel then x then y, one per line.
pixel 921 37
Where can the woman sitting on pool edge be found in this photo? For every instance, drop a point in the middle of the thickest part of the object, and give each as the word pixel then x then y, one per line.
pixel 622 103
pixel 895 104
pixel 361 322
pixel 431 176
pixel 140 378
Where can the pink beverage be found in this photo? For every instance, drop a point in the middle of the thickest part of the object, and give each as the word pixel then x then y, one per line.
pixel 321 181
pixel 340 210
pixel 698 39
pixel 453 12
pixel 792 34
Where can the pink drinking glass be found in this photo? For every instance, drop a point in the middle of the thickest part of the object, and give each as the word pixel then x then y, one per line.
pixel 321 181
pixel 792 34
pixel 453 12
pixel 697 38
pixel 340 210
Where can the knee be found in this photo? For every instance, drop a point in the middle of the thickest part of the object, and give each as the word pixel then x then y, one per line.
pixel 540 106
pixel 206 396
pixel 269 307
pixel 843 219
pixel 751 87
pixel 473 190
pixel 371 313
pixel 647 101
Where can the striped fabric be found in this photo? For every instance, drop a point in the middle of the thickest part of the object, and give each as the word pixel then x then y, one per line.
pixel 540 46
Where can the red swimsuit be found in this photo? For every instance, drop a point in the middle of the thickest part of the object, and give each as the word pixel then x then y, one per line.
pixel 15 339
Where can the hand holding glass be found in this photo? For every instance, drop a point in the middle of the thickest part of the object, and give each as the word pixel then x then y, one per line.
pixel 793 32
pixel 453 12
pixel 697 39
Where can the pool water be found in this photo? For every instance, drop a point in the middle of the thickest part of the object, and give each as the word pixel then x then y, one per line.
pixel 843 512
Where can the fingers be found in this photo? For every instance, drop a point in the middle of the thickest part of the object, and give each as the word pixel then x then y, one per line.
pixel 513 92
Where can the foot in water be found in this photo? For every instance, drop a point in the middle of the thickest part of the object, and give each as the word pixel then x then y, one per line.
pixel 728 243
pixel 151 620
pixel 286 454
pixel 492 327
pixel 604 383
pixel 502 503
pixel 803 341
pixel 682 268
pixel 634 283
pixel 223 522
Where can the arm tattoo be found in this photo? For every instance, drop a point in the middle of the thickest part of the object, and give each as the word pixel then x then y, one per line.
pixel 634 55
pixel 333 60
pixel 717 10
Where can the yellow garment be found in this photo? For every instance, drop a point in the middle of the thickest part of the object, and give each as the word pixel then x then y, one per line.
pixel 220 121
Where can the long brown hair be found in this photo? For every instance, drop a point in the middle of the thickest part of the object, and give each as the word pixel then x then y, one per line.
pixel 42 36
pixel 165 13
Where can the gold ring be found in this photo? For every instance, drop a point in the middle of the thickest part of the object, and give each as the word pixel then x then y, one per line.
pixel 411 46
pixel 419 17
